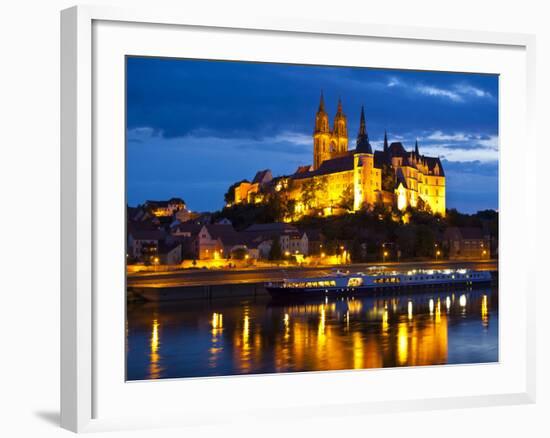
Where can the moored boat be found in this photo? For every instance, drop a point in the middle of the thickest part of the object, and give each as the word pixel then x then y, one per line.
pixel 345 282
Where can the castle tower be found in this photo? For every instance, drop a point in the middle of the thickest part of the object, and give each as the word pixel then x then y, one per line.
pixel 339 141
pixel 363 165
pixel 363 144
pixel 385 141
pixel 321 135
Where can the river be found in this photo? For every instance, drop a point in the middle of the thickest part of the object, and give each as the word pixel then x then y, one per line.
pixel 255 335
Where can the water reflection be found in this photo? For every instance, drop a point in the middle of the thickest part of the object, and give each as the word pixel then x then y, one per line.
pixel 257 336
pixel 154 368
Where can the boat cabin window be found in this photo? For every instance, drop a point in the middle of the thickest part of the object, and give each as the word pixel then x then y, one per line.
pixel 354 282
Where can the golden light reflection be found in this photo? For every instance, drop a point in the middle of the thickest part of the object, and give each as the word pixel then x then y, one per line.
pixel 217 321
pixel 402 343
pixel 216 347
pixel 355 306
pixel 242 342
pixel 385 323
pixel 321 336
pixel 246 329
pixel 287 327
pixel 484 311
pixel 438 311
pixel 154 357
pixel 358 353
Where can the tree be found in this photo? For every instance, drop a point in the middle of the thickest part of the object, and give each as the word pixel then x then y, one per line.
pixel 312 190
pixel 406 239
pixel 388 178
pixel 239 253
pixel 275 253
pixel 308 193
pixel 425 240
pixel 347 198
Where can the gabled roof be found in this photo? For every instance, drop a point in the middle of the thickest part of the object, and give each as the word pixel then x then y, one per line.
pixel 380 158
pixel 312 234
pixel 261 176
pixel 397 149
pixel 140 234
pixel 432 162
pixel 400 178
pixel 273 227
pixel 302 169
pixel 473 233
pixel 187 227
pixel 339 164
pixel 226 233
pixel 165 247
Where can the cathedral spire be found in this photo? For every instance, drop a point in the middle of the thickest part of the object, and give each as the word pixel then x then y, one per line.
pixel 322 103
pixel 416 148
pixel 362 124
pixel 385 141
pixel 363 144
pixel 339 106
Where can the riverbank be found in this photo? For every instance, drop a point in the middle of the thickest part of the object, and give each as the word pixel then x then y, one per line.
pixel 208 284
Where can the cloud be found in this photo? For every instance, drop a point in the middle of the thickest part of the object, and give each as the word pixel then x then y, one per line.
pixel 459 154
pixel 467 89
pixel 430 90
pixel 460 146
pixel 393 82
pixel 291 137
pixel 283 144
pixel 440 136
pixel 458 92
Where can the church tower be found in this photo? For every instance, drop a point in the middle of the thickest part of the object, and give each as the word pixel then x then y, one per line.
pixel 339 141
pixel 321 136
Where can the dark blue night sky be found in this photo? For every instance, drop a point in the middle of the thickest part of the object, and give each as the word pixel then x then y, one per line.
pixel 195 127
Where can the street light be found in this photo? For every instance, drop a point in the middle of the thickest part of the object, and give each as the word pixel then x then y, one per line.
pixel 385 255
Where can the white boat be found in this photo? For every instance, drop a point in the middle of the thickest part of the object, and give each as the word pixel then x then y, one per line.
pixel 344 282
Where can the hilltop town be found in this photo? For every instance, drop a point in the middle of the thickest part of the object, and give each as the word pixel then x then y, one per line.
pixel 167 235
pixel 348 206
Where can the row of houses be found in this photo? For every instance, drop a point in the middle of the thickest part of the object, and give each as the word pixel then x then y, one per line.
pixel 162 239
pixel 217 241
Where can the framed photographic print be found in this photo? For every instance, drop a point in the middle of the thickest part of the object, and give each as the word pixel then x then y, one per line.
pixel 275 217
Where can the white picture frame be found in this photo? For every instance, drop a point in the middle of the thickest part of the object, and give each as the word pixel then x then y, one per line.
pixel 83 182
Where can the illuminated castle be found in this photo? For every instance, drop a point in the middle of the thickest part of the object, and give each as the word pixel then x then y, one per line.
pixel 349 180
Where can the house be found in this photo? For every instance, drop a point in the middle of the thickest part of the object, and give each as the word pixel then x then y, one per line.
pixel 170 254
pixel 165 208
pixel 209 241
pixel 467 243
pixel 144 243
pixel 291 239
pixel 315 241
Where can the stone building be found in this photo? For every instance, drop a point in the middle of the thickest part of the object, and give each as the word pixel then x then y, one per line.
pixel 342 180
pixel 467 243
